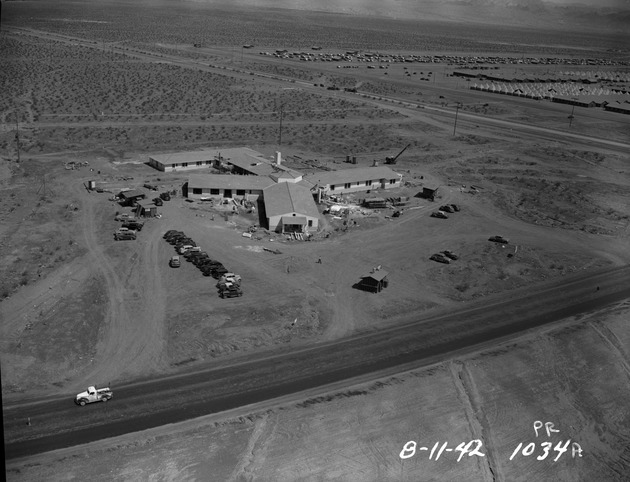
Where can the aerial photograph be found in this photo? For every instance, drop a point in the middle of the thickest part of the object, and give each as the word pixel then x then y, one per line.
pixel 315 240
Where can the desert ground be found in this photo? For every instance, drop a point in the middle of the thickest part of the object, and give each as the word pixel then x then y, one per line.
pixel 78 308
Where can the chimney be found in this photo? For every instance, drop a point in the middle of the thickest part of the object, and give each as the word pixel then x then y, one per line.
pixel 278 158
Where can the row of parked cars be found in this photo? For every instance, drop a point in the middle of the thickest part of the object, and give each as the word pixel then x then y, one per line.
pixel 446 208
pixel 128 230
pixel 445 257
pixel 228 283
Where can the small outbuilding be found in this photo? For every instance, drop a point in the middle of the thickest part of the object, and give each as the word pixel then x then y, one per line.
pixel 131 197
pixel 428 193
pixel 146 208
pixel 374 281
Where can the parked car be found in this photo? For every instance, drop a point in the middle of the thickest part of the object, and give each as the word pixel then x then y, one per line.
pixel 232 277
pixel 165 196
pixel 187 247
pixel 125 235
pixel 447 208
pixel 217 272
pixel 455 207
pixel 200 260
pixel 181 242
pixel 450 254
pixel 191 254
pixel 124 217
pixel 224 285
pixel 158 201
pixel 440 258
pixel 211 265
pixel 231 292
pixel 170 232
pixel 498 239
pixel 133 225
pixel 175 262
pixel 176 238
pixel 439 214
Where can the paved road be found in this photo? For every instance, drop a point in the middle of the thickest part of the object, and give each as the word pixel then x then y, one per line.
pixel 58 423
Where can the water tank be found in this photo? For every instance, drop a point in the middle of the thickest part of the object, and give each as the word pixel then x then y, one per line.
pixel 91 185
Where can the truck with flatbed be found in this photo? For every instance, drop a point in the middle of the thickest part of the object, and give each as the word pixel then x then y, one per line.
pixel 93 394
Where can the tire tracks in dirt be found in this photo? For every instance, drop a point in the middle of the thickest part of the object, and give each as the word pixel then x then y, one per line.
pixel 132 339
pixel 477 421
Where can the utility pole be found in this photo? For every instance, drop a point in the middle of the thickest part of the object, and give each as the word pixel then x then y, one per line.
pixel 17 135
pixel 571 116
pixel 457 106
pixel 280 133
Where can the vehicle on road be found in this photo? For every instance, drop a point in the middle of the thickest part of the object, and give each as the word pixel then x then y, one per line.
pixel 440 258
pixel 498 239
pixel 447 208
pixel 175 262
pixel 92 395
pixel 439 214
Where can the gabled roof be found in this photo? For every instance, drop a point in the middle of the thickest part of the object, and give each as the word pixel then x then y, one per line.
pixel 287 197
pixel 286 174
pixel 146 204
pixel 378 275
pixel 234 155
pixel 374 173
pixel 181 157
pixel 132 193
pixel 228 181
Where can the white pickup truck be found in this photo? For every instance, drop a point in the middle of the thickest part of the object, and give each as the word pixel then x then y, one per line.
pixel 93 394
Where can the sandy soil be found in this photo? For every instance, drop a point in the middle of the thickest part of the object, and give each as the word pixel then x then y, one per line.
pixel 79 308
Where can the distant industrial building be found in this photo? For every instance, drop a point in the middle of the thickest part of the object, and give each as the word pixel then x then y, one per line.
pixel 621 107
